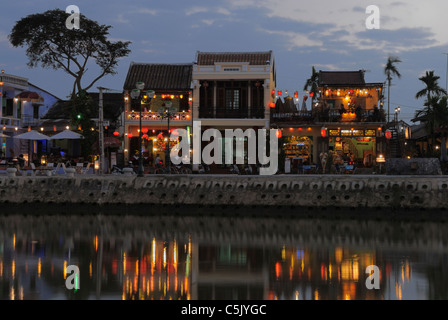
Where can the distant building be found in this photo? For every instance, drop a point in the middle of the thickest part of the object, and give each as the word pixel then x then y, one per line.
pixel 22 105
pixel 347 117
pixel 170 83
pixel 58 119
pixel 233 90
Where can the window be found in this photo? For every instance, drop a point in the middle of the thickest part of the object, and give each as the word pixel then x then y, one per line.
pixel 232 99
pixel 35 111
pixel 231 69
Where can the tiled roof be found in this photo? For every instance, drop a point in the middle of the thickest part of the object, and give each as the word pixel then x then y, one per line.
pixel 254 58
pixel 159 76
pixel 113 104
pixel 340 78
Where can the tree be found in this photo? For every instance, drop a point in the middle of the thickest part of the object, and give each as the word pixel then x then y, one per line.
pixel 312 85
pixel 435 117
pixel 390 70
pixel 432 86
pixel 52 45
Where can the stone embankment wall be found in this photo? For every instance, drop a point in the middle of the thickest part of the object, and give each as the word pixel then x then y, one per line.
pixel 353 191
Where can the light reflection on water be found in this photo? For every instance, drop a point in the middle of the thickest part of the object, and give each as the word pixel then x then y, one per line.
pixel 163 257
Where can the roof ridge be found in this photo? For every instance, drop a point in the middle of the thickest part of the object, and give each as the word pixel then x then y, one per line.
pixel 233 52
pixel 162 63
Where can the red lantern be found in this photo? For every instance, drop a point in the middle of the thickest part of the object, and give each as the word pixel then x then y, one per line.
pixel 273 93
pixel 130 135
pixel 279 93
pixel 116 133
pixel 279 133
pixel 296 94
pixel 271 104
pixel 311 94
pixel 388 134
pixel 145 136
pixel 145 130
pixel 323 132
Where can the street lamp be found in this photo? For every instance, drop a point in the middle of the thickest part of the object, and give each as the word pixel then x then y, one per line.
pixel 168 113
pixel 136 95
pixel 397 111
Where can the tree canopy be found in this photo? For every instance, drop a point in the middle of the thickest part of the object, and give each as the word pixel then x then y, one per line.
pixel 51 44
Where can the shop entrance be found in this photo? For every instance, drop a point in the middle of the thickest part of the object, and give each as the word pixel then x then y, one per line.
pixel 360 150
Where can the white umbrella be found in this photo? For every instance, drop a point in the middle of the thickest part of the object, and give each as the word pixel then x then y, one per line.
pixel 67 134
pixel 32 135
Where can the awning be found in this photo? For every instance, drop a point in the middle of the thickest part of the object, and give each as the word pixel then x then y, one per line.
pixel 30 96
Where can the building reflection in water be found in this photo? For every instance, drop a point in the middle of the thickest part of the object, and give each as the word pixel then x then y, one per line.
pixel 141 263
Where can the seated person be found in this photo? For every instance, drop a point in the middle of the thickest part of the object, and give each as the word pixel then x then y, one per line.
pixel 21 160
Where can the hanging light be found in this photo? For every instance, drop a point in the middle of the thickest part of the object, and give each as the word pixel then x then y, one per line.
pixel 388 134
pixel 145 130
pixel 279 133
pixel 296 94
pixel 271 104
pixel 130 135
pixel 279 92
pixel 323 132
pixel 116 133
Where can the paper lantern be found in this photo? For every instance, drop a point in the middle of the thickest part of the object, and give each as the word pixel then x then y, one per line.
pixel 130 135
pixel 145 136
pixel 279 133
pixel 296 94
pixel 323 132
pixel 311 94
pixel 145 130
pixel 279 93
pixel 116 133
pixel 271 104
pixel 388 134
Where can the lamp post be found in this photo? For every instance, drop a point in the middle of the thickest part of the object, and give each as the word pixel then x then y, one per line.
pixel 168 113
pixel 397 111
pixel 136 94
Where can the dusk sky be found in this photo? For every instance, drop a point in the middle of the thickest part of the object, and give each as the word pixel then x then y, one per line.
pixel 327 34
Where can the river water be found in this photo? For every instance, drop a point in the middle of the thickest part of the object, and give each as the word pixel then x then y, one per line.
pixel 164 256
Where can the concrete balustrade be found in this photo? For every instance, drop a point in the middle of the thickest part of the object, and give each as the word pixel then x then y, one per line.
pixel 429 192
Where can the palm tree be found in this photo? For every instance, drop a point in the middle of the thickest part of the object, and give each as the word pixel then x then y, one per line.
pixel 435 117
pixel 390 69
pixel 432 86
pixel 312 84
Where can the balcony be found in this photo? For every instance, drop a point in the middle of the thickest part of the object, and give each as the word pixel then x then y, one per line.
pixel 157 117
pixel 229 113
pixel 329 116
pixel 10 122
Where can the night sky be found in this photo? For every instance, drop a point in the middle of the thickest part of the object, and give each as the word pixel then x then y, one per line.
pixel 327 34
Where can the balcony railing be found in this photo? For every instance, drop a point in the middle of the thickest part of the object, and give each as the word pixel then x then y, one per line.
pixel 29 120
pixel 329 116
pixel 230 113
pixel 155 116
pixel 9 122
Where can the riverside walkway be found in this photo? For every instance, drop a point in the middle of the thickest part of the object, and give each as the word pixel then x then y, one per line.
pixel 313 191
